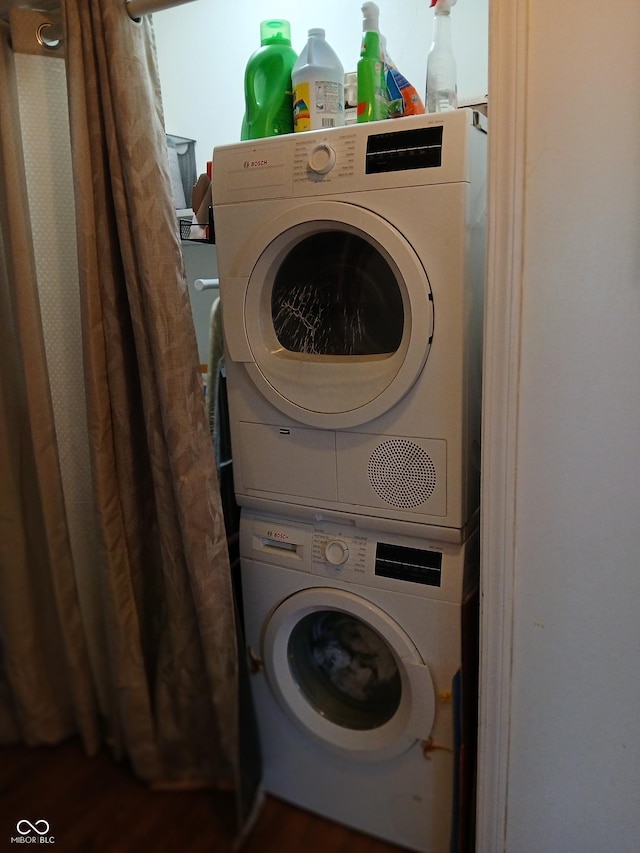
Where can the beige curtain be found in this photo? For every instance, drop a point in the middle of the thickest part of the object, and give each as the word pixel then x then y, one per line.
pixel 166 595
pixel 46 685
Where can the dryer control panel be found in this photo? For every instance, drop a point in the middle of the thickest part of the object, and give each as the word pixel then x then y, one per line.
pixel 417 151
pixel 338 552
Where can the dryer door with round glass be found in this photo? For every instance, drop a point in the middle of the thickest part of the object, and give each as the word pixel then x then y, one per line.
pixel 338 315
pixel 348 674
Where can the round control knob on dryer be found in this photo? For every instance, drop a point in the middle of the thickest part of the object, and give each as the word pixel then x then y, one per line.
pixel 336 552
pixel 322 159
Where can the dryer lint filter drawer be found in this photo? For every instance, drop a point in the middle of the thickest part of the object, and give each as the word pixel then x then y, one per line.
pixel 288 461
pixel 392 472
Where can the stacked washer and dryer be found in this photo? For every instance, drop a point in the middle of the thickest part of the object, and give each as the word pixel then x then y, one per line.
pixel 351 265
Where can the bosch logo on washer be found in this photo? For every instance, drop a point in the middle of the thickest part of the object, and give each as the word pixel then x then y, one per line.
pixel 255 164
pixel 277 534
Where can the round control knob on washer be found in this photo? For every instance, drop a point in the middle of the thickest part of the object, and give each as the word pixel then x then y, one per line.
pixel 322 159
pixel 336 552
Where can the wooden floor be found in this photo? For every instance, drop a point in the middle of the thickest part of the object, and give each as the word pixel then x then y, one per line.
pixel 94 805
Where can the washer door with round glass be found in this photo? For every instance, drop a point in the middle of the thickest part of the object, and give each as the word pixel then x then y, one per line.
pixel 338 315
pixel 348 674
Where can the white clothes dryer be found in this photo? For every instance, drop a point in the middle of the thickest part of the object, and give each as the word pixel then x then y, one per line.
pixel 351 265
pixel 364 697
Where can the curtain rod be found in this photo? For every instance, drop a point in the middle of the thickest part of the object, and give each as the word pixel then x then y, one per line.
pixel 137 8
pixel 50 35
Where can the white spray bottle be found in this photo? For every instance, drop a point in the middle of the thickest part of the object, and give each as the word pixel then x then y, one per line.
pixel 442 88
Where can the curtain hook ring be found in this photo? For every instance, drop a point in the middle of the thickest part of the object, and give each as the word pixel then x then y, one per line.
pixel 49 35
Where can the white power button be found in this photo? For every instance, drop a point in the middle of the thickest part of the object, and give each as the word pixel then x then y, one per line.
pixel 336 552
pixel 322 159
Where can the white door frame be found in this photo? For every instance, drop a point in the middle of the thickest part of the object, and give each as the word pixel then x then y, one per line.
pixel 508 46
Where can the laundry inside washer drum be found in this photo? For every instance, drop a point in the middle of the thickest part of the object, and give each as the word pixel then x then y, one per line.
pixel 345 670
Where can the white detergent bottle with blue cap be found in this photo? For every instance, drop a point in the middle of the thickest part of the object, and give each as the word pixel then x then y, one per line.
pixel 318 85
pixel 442 88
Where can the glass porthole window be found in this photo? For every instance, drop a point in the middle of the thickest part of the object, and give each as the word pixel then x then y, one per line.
pixel 346 673
pixel 336 295
pixel 345 670
pixel 338 315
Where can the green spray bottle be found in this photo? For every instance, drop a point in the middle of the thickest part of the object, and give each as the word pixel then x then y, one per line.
pixel 372 97
pixel 268 91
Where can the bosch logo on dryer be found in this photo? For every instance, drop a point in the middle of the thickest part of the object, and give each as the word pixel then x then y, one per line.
pixel 256 164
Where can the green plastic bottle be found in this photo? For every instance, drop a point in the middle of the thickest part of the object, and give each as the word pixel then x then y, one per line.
pixel 372 97
pixel 268 91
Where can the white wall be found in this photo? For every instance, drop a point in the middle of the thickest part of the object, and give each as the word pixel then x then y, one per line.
pixel 574 750
pixel 203 48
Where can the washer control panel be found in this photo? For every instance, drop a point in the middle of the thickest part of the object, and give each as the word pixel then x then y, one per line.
pixel 388 560
pixel 337 552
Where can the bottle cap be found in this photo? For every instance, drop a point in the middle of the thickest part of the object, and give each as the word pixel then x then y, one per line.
pixel 371 18
pixel 317 31
pixel 275 32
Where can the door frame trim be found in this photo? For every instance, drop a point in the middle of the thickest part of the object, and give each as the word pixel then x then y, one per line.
pixel 508 68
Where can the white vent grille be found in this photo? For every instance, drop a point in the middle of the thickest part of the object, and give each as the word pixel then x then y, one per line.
pixel 401 473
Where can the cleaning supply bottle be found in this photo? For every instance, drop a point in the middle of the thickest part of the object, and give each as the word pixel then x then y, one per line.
pixel 267 83
pixel 402 97
pixel 318 86
pixel 351 97
pixel 442 89
pixel 372 99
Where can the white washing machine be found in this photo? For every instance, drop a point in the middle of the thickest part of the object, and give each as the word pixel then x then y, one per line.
pixel 364 696
pixel 351 265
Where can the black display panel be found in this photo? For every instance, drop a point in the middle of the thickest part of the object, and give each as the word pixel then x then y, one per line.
pixel 420 148
pixel 416 565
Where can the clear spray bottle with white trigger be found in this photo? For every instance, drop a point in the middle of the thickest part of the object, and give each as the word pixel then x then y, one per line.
pixel 442 88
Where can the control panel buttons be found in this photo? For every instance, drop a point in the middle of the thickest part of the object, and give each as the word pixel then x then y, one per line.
pixel 336 552
pixel 322 159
